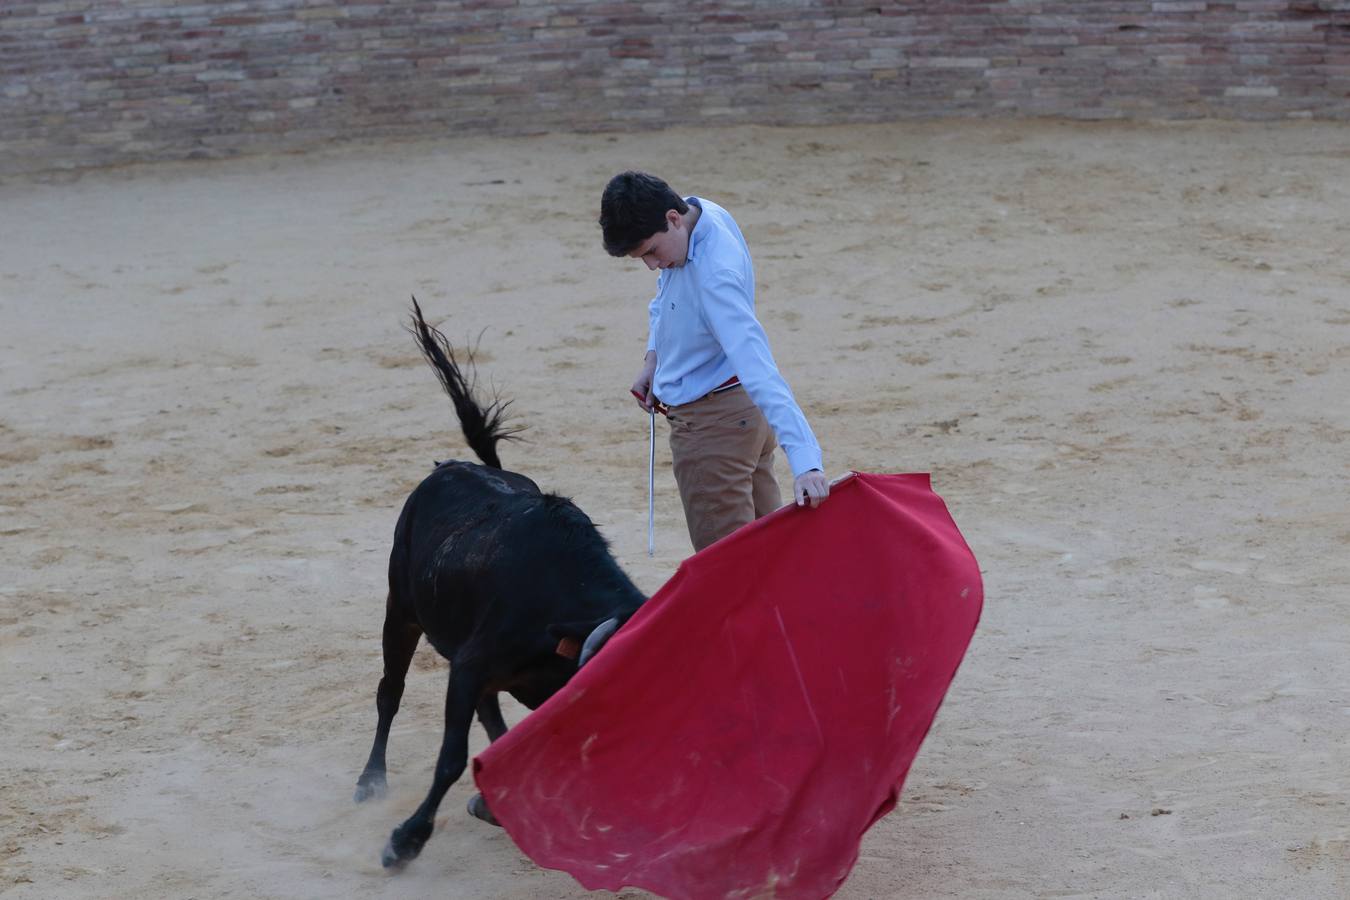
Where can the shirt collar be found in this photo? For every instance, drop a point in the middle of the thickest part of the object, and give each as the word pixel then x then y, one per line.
pixel 696 236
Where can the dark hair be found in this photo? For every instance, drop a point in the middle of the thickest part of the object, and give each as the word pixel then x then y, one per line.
pixel 633 208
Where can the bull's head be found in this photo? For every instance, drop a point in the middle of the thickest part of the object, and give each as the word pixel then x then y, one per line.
pixel 582 640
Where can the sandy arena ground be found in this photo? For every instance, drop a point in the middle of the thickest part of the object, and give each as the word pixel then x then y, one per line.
pixel 1123 351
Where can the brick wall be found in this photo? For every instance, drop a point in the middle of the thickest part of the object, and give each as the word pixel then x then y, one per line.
pixel 92 82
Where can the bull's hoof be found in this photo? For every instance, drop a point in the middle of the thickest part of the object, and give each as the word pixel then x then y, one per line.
pixel 390 858
pixel 404 845
pixel 478 808
pixel 368 786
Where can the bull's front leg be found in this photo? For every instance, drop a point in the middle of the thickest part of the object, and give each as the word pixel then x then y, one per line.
pixel 466 688
pixel 490 716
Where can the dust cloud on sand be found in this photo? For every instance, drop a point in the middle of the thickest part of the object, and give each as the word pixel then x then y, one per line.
pixel 1123 351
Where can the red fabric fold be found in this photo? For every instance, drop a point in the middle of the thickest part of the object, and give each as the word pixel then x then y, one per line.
pixel 742 732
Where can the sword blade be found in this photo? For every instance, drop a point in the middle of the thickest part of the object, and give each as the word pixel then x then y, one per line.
pixel 651 490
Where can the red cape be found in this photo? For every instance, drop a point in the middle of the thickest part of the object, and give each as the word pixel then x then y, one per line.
pixel 739 735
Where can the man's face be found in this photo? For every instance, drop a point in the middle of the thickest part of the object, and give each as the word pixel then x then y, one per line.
pixel 666 249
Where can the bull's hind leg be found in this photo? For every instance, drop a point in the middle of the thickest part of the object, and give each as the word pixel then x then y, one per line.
pixel 400 642
pixel 466 689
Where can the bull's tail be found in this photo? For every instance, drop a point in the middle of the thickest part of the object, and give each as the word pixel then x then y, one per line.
pixel 483 426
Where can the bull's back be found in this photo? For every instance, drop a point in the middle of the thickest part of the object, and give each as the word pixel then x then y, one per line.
pixel 453 530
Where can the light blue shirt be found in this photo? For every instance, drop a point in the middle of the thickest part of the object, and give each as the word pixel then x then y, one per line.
pixel 704 330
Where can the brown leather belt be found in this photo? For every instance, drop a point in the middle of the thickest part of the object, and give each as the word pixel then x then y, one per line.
pixel 727 385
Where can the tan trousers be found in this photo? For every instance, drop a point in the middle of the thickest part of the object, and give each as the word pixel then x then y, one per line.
pixel 722 448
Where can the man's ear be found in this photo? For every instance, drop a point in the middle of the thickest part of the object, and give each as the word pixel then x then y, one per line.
pixel 674 219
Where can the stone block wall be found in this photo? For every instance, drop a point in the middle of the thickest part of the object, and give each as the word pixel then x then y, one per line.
pixel 95 82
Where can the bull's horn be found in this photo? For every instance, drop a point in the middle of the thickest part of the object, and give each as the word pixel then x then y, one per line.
pixel 603 632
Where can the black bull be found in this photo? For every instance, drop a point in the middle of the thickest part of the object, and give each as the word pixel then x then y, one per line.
pixel 495 573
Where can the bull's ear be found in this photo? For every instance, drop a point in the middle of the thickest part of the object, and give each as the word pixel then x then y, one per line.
pixel 570 637
pixel 581 640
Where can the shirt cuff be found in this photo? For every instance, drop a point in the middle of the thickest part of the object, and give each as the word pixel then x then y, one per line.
pixel 804 459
